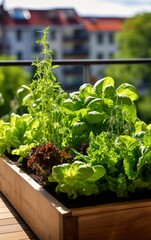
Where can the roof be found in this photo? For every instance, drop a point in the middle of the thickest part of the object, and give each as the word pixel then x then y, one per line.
pixel 60 17
pixel 103 24
pixel 26 17
pixel 42 17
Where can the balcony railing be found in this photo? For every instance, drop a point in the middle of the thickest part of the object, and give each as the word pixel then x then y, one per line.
pixel 75 38
pixel 73 70
pixel 76 53
pixel 86 63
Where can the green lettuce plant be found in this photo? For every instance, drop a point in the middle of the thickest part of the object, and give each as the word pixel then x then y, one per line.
pixel 77 178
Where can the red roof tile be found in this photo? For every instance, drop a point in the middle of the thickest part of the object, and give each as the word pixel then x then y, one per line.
pixel 63 17
pixel 103 24
pixel 37 18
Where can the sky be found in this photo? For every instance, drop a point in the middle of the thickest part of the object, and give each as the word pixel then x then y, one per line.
pixel 124 8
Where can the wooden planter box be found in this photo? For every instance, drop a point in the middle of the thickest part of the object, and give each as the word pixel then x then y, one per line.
pixel 49 219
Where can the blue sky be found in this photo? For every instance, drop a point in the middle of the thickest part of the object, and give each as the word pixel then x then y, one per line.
pixel 125 8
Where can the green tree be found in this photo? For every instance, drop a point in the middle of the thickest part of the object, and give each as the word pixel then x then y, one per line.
pixel 134 41
pixel 11 78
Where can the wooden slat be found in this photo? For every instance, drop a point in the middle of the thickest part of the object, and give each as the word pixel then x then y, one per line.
pixel 12 226
pixel 8 221
pixel 6 210
pixel 16 236
pixel 8 215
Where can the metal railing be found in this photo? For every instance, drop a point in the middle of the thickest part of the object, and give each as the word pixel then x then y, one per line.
pixel 86 63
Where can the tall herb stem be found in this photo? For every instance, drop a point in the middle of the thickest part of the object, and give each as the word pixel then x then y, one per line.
pixel 47 96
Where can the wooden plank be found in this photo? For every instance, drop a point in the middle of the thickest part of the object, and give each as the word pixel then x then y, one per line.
pixel 16 236
pixel 12 226
pixel 7 210
pixel 2 204
pixel 8 215
pixel 126 224
pixel 105 208
pixel 9 221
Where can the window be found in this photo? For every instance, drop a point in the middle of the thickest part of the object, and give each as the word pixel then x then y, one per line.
pixel 52 34
pixel 37 48
pixel 111 37
pixel 80 34
pixel 19 55
pixel 99 55
pixel 19 35
pixel 100 38
pixel 110 55
pixel 37 34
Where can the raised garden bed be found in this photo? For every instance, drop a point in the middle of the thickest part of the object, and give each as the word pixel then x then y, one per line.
pixel 88 148
pixel 50 219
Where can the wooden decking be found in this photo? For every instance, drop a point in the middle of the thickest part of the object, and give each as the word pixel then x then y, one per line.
pixel 12 226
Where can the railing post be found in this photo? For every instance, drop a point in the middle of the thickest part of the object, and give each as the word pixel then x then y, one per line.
pixel 86 73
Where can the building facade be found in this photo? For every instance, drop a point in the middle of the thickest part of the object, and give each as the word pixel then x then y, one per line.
pixel 71 37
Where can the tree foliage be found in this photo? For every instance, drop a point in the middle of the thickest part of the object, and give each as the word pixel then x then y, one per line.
pixel 134 42
pixel 11 78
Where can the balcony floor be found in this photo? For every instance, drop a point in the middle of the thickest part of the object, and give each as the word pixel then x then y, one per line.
pixel 12 226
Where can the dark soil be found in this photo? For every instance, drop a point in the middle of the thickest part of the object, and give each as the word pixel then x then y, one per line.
pixel 82 201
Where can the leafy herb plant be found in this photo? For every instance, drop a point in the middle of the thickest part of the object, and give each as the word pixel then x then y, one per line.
pixel 45 96
pixel 87 142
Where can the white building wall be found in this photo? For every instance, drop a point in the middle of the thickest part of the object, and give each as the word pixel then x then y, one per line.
pixel 28 40
pixel 105 48
pixel 15 46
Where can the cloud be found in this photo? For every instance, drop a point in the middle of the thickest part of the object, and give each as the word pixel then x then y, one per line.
pixel 129 2
pixel 123 8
